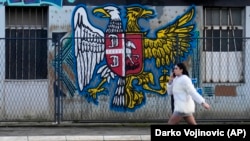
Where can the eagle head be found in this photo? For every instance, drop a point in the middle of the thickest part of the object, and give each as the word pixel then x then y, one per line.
pixel 108 12
pixel 138 12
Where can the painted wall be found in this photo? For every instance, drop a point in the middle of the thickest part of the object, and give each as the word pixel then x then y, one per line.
pixel 135 86
pixel 143 78
pixel 2 35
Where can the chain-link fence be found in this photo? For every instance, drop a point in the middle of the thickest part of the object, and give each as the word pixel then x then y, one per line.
pixel 39 83
pixel 27 76
pixel 218 72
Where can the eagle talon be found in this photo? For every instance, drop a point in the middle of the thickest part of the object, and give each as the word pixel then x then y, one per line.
pixel 93 91
pixel 134 98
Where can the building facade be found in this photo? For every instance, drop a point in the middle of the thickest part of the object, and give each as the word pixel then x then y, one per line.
pixel 110 60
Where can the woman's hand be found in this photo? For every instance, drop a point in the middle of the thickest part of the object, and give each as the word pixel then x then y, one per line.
pixel 171 78
pixel 205 105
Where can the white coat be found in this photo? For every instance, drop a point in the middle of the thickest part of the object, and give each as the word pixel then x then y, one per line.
pixel 184 94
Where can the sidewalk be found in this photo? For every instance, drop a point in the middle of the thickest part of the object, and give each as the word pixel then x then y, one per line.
pixel 75 132
pixel 78 138
pixel 68 131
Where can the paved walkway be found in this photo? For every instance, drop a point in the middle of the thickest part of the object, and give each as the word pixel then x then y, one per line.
pixel 78 138
pixel 80 132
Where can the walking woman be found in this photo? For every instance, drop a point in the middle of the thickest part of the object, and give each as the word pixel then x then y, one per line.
pixel 185 94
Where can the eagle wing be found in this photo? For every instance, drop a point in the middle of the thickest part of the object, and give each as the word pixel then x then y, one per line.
pixel 177 34
pixel 88 46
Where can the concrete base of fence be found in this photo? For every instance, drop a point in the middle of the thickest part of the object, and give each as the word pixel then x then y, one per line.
pixel 77 138
pixel 93 124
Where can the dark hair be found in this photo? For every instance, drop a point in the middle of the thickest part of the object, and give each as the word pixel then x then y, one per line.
pixel 183 67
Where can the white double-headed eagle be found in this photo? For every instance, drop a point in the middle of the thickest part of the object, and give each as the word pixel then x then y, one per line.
pixel 89 47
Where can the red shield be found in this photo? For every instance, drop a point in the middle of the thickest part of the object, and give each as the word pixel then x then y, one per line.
pixel 124 53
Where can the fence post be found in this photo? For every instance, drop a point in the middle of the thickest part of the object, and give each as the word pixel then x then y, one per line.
pixel 57 83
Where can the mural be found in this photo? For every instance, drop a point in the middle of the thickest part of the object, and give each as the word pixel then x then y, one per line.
pixel 32 2
pixel 121 58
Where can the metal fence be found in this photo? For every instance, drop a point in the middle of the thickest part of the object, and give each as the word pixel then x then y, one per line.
pixel 220 75
pixel 27 76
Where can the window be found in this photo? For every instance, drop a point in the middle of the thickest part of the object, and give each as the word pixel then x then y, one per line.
pixel 222 54
pixel 26 43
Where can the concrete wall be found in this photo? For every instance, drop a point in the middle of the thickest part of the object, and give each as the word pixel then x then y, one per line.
pixel 35 99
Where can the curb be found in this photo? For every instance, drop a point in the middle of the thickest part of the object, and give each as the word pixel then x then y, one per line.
pixel 88 124
pixel 77 138
pixel 72 124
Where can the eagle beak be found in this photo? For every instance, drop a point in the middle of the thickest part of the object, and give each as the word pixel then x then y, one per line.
pixel 103 12
pixel 147 13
